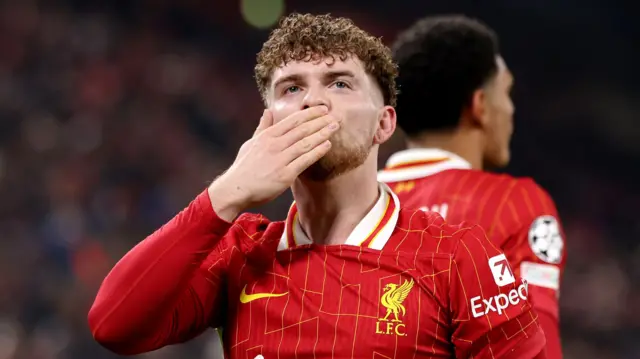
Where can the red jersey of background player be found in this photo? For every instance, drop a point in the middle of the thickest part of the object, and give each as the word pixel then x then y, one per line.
pixel 517 215
pixel 404 285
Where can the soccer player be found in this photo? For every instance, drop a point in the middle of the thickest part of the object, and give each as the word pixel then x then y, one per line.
pixel 455 108
pixel 349 273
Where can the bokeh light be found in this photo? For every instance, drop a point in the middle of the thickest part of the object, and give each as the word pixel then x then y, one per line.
pixel 262 13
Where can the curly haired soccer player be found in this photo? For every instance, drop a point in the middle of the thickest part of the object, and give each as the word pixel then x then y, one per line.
pixel 349 273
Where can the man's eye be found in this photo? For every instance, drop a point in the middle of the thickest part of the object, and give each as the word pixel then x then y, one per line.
pixel 341 84
pixel 292 89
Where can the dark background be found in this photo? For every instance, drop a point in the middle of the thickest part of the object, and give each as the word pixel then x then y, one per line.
pixel 115 114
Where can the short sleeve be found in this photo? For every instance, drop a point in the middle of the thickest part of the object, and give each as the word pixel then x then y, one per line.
pixel 535 244
pixel 490 312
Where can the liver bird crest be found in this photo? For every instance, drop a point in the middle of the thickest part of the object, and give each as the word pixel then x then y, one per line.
pixel 393 297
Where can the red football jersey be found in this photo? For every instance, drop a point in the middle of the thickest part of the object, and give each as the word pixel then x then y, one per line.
pixel 517 215
pixel 404 285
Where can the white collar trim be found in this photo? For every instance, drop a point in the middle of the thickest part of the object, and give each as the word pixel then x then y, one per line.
pixel 373 231
pixel 443 160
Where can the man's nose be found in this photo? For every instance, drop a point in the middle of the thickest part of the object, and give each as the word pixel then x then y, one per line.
pixel 315 98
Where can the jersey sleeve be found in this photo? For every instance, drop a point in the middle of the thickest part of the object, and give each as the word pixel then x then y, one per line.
pixel 490 313
pixel 535 247
pixel 170 287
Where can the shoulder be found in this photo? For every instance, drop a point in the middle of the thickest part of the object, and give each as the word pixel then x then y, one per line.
pixel 529 204
pixel 531 224
pixel 529 185
pixel 503 183
pixel 432 234
pixel 524 190
pixel 509 183
pixel 519 199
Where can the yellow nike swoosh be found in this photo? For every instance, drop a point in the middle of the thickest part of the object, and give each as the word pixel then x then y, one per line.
pixel 246 298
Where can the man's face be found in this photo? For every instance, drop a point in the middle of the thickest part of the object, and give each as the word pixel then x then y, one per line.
pixel 499 113
pixel 352 96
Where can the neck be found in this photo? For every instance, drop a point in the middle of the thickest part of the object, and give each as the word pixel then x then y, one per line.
pixel 464 143
pixel 330 210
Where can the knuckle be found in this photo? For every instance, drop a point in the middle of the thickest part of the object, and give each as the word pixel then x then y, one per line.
pixel 250 143
pixel 263 133
pixel 259 138
pixel 294 121
pixel 272 146
pixel 305 131
pixel 257 141
pixel 298 120
pixel 283 175
pixel 305 144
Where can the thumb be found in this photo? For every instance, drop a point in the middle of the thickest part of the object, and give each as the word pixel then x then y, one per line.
pixel 266 121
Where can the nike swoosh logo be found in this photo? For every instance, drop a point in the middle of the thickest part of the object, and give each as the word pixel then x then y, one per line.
pixel 246 298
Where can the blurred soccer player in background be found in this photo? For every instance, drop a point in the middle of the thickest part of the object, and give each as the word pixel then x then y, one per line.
pixel 349 274
pixel 455 108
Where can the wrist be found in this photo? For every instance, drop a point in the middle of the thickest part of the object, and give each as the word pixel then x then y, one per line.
pixel 227 201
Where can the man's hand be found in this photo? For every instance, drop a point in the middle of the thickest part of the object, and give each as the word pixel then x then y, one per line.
pixel 272 159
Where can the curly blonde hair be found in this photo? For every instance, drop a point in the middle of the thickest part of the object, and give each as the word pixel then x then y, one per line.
pixel 306 37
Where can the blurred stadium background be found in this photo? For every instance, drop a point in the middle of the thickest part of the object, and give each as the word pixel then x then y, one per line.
pixel 115 113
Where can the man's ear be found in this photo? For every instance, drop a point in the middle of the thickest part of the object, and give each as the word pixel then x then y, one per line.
pixel 477 108
pixel 386 125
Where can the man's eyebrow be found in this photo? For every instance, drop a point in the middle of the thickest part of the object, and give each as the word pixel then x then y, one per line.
pixel 327 77
pixel 288 78
pixel 332 75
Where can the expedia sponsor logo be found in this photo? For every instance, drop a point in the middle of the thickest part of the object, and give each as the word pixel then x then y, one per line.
pixel 481 306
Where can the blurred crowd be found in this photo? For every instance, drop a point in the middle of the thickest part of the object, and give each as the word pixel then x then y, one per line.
pixel 115 114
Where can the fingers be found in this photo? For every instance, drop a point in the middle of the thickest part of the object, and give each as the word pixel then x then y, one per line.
pixel 306 129
pixel 310 142
pixel 296 119
pixel 301 163
pixel 266 121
